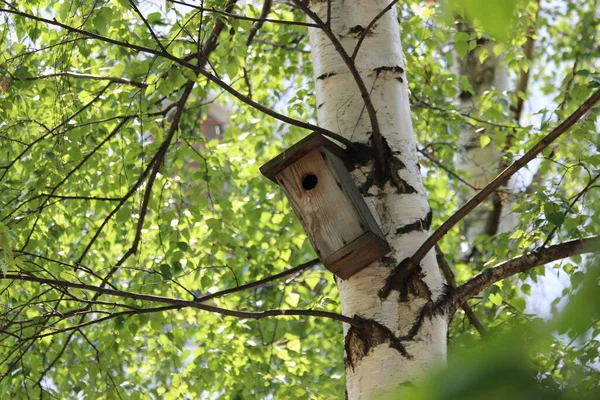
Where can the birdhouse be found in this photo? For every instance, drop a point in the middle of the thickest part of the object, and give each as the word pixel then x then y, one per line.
pixel 332 211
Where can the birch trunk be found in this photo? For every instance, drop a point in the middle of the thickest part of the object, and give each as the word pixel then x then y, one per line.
pixel 403 336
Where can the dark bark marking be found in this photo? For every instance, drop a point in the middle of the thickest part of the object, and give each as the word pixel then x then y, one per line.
pixel 356 30
pixel 364 154
pixel 359 156
pixel 395 69
pixel 320 105
pixel 361 340
pixel 422 224
pixel 426 312
pixel 445 305
pixel 405 280
pixel 388 261
pixel 392 167
pixel 326 75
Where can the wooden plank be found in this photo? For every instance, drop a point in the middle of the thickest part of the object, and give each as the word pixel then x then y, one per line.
pixel 357 255
pixel 356 197
pixel 326 212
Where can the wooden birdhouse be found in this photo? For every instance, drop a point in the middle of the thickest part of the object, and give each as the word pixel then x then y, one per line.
pixel 332 211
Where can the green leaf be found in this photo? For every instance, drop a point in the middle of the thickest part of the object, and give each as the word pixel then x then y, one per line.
pixel 293 299
pixel 102 19
pixel 495 298
pixel 484 140
pixel 460 43
pixel 556 218
pixel 294 345
pixel 495 16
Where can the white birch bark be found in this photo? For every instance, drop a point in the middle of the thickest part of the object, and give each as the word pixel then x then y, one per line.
pixel 404 336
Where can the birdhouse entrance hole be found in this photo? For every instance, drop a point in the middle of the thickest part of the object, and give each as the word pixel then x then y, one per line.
pixel 330 207
pixel 309 181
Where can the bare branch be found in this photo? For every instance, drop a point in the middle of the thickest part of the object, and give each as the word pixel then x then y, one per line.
pixel 95 198
pixel 522 264
pixel 51 131
pixel 448 170
pixel 139 13
pixel 274 114
pixel 78 166
pixel 282 46
pixel 92 35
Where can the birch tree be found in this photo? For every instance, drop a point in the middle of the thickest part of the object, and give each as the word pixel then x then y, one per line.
pixel 142 257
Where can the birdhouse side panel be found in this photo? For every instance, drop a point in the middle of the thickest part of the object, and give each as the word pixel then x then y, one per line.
pixel 320 201
pixel 343 176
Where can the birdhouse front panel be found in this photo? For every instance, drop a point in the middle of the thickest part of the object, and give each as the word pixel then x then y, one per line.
pixel 332 211
pixel 327 214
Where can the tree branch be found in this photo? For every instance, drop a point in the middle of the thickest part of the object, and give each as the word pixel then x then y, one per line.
pixel 494 218
pixel 92 35
pixel 243 17
pixel 522 264
pixel 366 31
pixel 503 178
pixel 139 13
pixel 76 75
pixel 179 302
pixel 260 282
pixel 524 75
pixel 51 131
pixel 272 113
pixel 448 170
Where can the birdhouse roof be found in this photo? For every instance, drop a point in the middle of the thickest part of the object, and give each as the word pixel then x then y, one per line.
pixel 289 156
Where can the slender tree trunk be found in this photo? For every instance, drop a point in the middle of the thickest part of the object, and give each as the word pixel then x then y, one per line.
pixel 402 336
pixel 479 164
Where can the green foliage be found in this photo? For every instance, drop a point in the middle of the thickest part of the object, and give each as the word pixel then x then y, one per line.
pixel 77 154
pixel 528 363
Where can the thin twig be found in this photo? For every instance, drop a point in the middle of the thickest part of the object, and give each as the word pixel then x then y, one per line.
pixel 367 30
pixel 260 282
pixel 76 75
